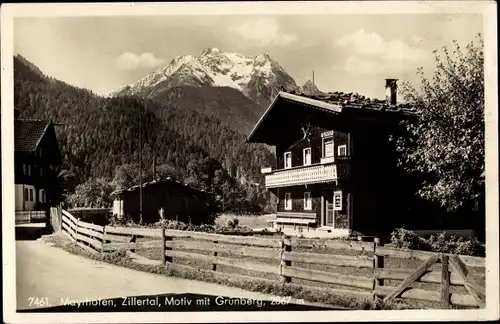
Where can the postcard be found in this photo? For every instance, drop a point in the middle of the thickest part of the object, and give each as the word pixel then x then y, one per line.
pixel 250 161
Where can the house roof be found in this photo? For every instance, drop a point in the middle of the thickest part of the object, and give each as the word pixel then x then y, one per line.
pixel 157 181
pixel 28 133
pixel 334 103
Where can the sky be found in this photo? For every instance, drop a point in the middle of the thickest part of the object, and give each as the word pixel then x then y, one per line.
pixel 351 53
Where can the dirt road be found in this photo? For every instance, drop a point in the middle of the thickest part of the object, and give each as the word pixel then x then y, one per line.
pixel 49 275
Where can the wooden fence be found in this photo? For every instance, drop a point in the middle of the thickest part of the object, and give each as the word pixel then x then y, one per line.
pixel 287 254
pixel 29 216
pixel 88 236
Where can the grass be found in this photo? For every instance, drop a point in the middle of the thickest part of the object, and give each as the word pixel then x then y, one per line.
pixel 261 285
pixel 250 221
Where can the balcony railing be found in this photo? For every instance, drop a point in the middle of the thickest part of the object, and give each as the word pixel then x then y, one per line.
pixel 302 175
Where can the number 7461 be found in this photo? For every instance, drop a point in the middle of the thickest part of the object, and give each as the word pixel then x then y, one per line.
pixel 38 301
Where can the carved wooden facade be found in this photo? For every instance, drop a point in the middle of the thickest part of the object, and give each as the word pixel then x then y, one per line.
pixel 336 167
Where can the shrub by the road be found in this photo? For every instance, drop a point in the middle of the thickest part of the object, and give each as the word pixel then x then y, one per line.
pixel 406 239
pixel 232 228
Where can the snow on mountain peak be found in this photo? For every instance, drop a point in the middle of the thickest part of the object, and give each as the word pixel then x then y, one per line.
pixel 211 50
pixel 217 69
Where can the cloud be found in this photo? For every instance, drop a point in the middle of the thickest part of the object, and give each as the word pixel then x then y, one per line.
pixel 362 65
pixel 131 61
pixel 371 53
pixel 417 39
pixel 264 31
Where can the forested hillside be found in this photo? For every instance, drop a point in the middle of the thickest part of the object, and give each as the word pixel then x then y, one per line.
pixel 100 140
pixel 225 104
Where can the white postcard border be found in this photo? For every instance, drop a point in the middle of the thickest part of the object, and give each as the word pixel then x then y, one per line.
pixel 487 8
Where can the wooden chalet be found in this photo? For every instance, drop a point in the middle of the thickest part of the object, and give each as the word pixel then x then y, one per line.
pixel 336 167
pixel 179 202
pixel 36 158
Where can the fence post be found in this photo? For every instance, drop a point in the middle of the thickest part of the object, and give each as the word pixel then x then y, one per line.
pixel 286 246
pixel 76 230
pixel 378 263
pixel 29 216
pixel 163 248
pixel 445 282
pixel 133 240
pixel 103 241
pixel 214 253
pixel 168 259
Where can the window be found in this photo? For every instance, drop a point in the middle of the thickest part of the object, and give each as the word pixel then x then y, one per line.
pixel 31 195
pixel 29 169
pixel 40 152
pixel 288 201
pixel 24 168
pixel 328 147
pixel 337 200
pixel 342 150
pixel 41 171
pixel 307 201
pixel 42 196
pixel 26 194
pixel 288 160
pixel 307 156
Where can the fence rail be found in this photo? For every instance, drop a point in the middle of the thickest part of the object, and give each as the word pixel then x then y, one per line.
pixel 89 237
pixel 28 216
pixel 287 259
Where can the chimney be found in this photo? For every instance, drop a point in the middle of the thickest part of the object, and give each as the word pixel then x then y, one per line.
pixel 391 89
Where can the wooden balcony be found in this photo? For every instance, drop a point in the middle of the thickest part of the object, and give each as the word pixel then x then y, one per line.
pixel 307 174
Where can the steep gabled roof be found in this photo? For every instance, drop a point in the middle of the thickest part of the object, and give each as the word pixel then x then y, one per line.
pixel 355 100
pixel 28 133
pixel 332 103
pixel 157 181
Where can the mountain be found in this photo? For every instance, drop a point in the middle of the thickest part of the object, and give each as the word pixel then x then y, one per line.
pixel 232 87
pixel 100 138
pixel 228 105
pixel 257 77
pixel 22 65
pixel 309 89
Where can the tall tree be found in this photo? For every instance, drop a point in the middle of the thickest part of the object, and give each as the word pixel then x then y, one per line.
pixel 446 143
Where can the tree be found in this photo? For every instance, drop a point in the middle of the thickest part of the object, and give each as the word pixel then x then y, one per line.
pixel 446 143
pixel 94 193
pixel 165 171
pixel 126 176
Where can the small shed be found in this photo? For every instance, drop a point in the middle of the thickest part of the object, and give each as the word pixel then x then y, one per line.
pixel 179 202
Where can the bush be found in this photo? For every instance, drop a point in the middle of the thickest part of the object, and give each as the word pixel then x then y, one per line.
pixel 233 223
pixel 402 238
pixel 114 220
pixel 471 246
pixel 405 239
pixel 233 226
pixel 438 243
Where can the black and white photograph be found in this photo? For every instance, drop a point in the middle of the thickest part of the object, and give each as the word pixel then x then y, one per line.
pixel 249 161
